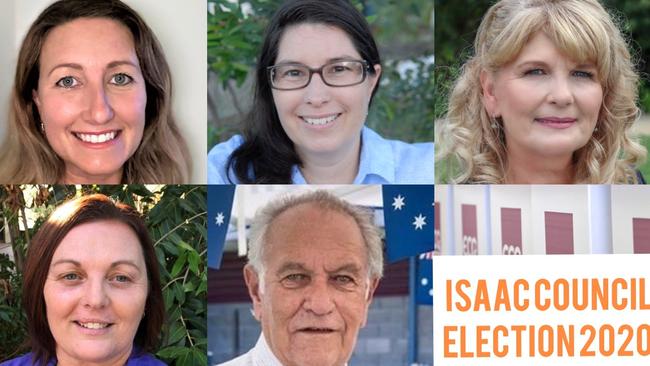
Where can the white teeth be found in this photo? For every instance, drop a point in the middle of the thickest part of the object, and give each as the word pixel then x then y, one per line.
pixel 96 139
pixel 320 121
pixel 94 325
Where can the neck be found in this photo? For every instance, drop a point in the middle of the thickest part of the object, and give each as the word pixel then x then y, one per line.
pixel 65 359
pixel 338 167
pixel 72 177
pixel 526 169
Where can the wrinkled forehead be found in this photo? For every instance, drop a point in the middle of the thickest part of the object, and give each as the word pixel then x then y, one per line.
pixel 312 227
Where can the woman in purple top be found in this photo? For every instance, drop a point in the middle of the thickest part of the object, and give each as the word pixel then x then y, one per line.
pixel 91 288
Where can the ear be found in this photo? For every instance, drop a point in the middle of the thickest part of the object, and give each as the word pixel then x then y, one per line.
pixel 488 97
pixel 374 79
pixel 253 283
pixel 372 286
pixel 35 98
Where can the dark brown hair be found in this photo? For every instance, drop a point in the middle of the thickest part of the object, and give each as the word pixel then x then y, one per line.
pixel 26 156
pixel 267 154
pixel 91 208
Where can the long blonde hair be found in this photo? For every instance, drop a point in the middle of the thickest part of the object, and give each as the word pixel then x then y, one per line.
pixel 475 152
pixel 26 156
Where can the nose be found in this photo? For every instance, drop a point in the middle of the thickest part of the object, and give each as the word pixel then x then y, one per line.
pixel 561 93
pixel 317 93
pixel 318 298
pixel 95 295
pixel 98 106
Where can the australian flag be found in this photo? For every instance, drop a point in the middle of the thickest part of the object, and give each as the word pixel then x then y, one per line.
pixel 219 207
pixel 424 286
pixel 408 220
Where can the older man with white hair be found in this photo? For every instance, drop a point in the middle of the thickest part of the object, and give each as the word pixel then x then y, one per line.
pixel 314 262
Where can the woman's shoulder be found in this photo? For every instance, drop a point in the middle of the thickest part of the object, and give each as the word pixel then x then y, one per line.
pixel 218 158
pixel 411 162
pixel 24 360
pixel 144 359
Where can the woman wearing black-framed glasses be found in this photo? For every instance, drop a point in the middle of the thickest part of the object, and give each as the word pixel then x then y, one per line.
pixel 317 72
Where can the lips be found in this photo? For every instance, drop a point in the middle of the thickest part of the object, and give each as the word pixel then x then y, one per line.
pixel 320 120
pixel 557 122
pixel 96 138
pixel 316 330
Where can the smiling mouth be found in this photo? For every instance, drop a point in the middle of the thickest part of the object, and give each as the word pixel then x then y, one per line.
pixel 317 330
pixel 556 122
pixel 93 325
pixel 322 121
pixel 96 138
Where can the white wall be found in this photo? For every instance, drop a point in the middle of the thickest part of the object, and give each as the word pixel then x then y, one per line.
pixel 181 28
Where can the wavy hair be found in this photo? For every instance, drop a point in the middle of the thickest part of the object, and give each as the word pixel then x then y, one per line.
pixel 26 156
pixel 267 155
pixel 475 152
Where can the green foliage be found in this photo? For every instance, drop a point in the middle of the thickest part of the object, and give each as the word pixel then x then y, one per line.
pixel 645 168
pixel 403 105
pixel 176 217
pixel 12 319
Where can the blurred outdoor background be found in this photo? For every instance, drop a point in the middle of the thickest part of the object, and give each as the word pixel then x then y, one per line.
pixel 458 21
pixel 403 106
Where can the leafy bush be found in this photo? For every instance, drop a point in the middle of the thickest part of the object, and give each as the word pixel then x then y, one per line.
pixel 176 218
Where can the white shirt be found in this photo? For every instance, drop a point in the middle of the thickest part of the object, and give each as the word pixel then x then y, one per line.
pixel 260 355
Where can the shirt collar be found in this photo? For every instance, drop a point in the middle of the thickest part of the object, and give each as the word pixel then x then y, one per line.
pixel 263 356
pixel 376 158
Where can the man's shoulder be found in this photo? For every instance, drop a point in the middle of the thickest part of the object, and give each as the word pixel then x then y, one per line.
pixel 243 360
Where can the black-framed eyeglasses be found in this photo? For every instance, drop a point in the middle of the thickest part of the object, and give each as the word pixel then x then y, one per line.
pixel 291 76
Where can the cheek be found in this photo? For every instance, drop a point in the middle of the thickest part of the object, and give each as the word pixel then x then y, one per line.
pixel 131 108
pixel 58 111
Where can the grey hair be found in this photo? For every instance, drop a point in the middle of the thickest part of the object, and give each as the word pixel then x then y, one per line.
pixel 327 201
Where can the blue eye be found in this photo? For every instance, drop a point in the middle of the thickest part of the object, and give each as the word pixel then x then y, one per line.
pixel 71 277
pixel 583 74
pixel 534 72
pixel 121 278
pixel 67 82
pixel 121 79
pixel 344 280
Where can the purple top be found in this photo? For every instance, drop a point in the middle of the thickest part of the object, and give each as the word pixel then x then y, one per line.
pixel 136 359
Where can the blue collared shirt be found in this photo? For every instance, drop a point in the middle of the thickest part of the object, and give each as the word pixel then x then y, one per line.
pixel 381 162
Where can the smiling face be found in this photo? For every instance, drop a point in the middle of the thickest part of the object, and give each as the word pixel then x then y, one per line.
pixel 549 104
pixel 91 98
pixel 316 292
pixel 321 119
pixel 95 293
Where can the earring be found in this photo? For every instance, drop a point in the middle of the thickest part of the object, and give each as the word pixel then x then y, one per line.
pixel 494 124
pixel 42 128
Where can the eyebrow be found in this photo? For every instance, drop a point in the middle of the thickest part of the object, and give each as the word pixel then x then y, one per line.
pixel 329 60
pixel 295 266
pixel 113 265
pixel 111 65
pixel 291 266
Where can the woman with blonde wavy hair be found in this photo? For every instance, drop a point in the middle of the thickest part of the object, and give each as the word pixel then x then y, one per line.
pixel 91 101
pixel 549 96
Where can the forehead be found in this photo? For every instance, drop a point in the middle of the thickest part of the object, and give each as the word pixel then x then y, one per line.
pixel 315 42
pixel 104 241
pixel 88 40
pixel 308 233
